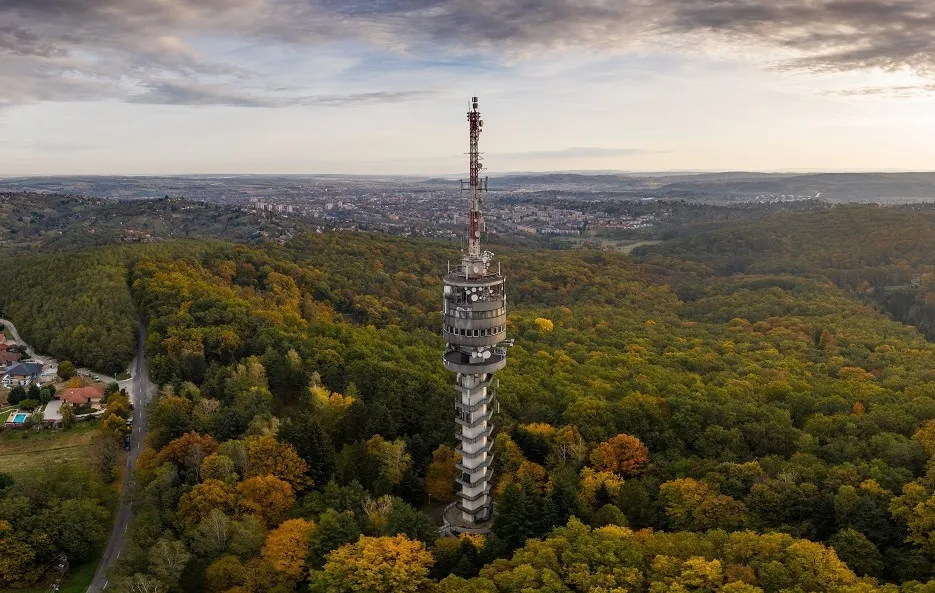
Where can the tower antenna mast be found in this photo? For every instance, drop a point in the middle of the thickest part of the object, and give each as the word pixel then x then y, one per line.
pixel 476 184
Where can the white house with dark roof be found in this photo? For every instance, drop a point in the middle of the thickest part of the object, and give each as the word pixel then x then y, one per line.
pixel 22 373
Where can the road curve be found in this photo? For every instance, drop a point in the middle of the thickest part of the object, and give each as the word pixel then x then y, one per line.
pixel 43 358
pixel 32 353
pixel 141 390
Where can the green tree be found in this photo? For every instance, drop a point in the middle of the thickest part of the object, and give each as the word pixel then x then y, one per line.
pixel 66 370
pixel 857 552
pixel 405 520
pixel 334 530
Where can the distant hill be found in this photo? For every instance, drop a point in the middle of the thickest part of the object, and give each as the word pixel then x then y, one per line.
pixel 831 186
pixel 39 220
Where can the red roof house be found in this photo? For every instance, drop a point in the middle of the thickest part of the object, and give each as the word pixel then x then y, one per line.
pixel 6 358
pixel 80 396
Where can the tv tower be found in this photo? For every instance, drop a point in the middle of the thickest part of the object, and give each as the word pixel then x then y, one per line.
pixel 474 319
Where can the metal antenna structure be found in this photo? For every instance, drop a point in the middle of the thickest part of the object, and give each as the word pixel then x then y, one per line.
pixel 474 327
pixel 475 184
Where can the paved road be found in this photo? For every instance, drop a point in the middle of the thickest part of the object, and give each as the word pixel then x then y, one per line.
pixel 15 334
pixel 141 390
pixel 45 359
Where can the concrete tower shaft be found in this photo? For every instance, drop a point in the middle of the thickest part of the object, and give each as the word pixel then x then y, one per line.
pixel 474 327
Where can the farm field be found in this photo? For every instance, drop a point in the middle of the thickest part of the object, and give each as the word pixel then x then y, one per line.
pixel 46 448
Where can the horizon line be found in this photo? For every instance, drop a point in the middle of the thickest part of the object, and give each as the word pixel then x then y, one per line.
pixel 427 176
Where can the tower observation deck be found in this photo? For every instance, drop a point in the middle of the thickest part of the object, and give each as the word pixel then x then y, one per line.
pixel 474 327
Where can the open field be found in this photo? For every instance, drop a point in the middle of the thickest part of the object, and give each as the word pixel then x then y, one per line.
pixel 45 448
pixel 621 245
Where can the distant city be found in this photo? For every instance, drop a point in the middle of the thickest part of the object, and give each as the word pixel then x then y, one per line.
pixel 562 205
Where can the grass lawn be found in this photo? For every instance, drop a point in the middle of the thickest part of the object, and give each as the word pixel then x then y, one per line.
pixel 45 448
pixel 122 376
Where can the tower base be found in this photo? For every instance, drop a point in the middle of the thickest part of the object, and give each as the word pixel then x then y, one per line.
pixel 453 523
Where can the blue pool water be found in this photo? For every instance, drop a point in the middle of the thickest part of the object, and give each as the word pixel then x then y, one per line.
pixel 19 418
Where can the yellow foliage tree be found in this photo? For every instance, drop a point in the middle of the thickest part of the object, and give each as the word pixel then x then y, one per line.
pixel 286 547
pixel 544 325
pixel 267 456
pixel 543 429
pixel 379 565
pixel 198 502
pixel 926 437
pixel 329 406
pixel 590 482
pixel 441 473
pixel 114 426
pixel 268 497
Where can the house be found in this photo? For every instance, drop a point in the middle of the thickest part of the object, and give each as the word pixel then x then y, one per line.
pixel 21 373
pixel 7 358
pixel 82 396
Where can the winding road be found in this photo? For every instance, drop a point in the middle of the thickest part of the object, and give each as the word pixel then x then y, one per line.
pixel 48 359
pixel 141 390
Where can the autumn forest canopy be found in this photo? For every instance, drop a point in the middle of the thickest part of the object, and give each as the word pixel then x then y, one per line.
pixel 744 409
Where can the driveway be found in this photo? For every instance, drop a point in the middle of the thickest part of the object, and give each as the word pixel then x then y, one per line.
pixel 53 411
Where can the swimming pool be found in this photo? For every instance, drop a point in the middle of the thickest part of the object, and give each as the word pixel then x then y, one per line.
pixel 20 417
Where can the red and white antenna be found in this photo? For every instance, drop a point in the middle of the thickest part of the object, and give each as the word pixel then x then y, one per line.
pixel 476 185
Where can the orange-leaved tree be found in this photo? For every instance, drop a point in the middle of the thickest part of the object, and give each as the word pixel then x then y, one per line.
pixel 623 454
pixel 268 497
pixel 198 502
pixel 267 456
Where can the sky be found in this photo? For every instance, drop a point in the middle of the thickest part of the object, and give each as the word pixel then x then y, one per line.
pixel 150 87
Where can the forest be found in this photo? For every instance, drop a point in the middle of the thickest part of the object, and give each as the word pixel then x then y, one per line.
pixel 732 411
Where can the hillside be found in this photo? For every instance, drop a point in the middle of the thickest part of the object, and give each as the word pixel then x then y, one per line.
pixel 771 402
pixel 241 331
pixel 30 221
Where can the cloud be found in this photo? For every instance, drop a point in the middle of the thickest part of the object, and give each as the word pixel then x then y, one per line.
pixel 121 43
pixel 823 34
pixel 188 93
pixel 891 92
pixel 573 152
pixel 22 42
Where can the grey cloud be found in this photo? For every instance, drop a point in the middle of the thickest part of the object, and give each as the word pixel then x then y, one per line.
pixel 574 152
pixel 828 34
pixel 187 93
pixel 140 41
pixel 367 98
pixel 23 42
